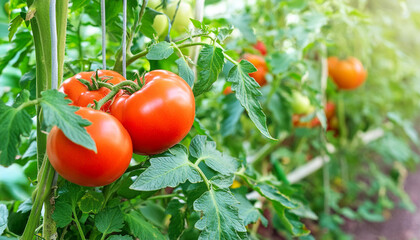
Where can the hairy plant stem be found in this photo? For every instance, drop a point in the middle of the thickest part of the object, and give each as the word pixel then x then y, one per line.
pixel 40 24
pixel 45 176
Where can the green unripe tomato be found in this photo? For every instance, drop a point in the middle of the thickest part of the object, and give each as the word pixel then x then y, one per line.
pixel 160 24
pixel 154 3
pixel 182 19
pixel 301 104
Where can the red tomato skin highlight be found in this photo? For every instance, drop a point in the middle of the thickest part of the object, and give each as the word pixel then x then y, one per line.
pixel 84 167
pixel 159 115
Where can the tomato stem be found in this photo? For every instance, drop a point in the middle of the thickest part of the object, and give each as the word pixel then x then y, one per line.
pixel 114 90
pixel 164 196
pixel 230 59
pixel 135 167
pixel 44 186
pixel 193 36
pixel 146 51
pixel 79 227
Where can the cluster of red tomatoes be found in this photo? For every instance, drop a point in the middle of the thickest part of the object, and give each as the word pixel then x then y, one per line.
pixel 147 122
pixel 347 75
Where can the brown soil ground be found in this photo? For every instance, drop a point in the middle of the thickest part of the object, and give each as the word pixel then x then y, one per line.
pixel 402 225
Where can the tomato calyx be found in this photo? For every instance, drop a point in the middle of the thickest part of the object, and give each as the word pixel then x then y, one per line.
pixel 128 86
pixel 95 81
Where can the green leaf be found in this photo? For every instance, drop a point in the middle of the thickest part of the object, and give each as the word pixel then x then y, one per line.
pixel 280 62
pixel 246 90
pixel 62 214
pixel 13 124
pixel 71 193
pixel 58 113
pixel 120 237
pixel 167 170
pixel 109 220
pixel 3 218
pixel 210 63
pixel 232 111
pixel 392 148
pixel 290 221
pixel 244 22
pixel 220 218
pixel 200 148
pixel 199 127
pixel 304 211
pixel 160 51
pixel 91 202
pixel 177 221
pixel 142 229
pixel 407 126
pixel 77 4
pixel 185 71
pixel 247 212
pixel 14 25
pixel 223 33
pixel 223 181
pixel 21 43
pixel 274 195
pixel 196 23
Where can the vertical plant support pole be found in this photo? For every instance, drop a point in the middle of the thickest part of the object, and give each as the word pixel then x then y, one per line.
pixel 124 40
pixel 40 24
pixel 103 26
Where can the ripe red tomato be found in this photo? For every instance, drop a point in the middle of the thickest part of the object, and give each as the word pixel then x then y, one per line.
pixel 311 124
pixel 82 166
pixel 329 110
pixel 260 65
pixel 260 46
pixel 259 75
pixel 228 90
pixel 80 94
pixel 347 74
pixel 329 114
pixel 159 115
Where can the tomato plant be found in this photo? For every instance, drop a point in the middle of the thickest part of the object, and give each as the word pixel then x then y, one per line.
pixel 167 153
pixel 85 167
